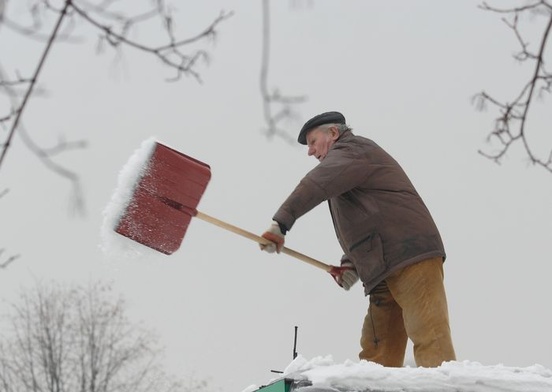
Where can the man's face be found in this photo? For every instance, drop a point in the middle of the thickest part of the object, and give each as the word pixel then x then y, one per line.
pixel 319 141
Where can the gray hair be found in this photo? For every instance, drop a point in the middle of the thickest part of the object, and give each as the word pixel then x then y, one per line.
pixel 340 127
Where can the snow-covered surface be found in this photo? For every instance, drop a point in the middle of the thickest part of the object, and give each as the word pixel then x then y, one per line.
pixel 465 376
pixel 137 165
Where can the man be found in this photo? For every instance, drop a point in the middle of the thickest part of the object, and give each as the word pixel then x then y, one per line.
pixel 388 237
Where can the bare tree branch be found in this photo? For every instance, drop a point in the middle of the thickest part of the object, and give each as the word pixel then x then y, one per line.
pixel 511 126
pixel 8 261
pixel 273 117
pixel 169 54
pixel 77 204
pixel 19 111
pixel 45 155
pixel 2 8
pixel 100 16
pixel 115 28
pixel 34 32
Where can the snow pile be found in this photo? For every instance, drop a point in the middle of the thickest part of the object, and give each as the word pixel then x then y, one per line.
pixel 466 376
pixel 113 244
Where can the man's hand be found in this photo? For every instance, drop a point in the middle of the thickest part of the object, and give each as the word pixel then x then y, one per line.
pixel 346 275
pixel 275 236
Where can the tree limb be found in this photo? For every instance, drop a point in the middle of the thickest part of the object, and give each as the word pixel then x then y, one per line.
pixel 511 125
pixel 272 116
pixel 20 110
pixel 8 261
pixel 170 53
pixel 184 63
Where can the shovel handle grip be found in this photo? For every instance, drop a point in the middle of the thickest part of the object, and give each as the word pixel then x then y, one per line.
pixel 262 241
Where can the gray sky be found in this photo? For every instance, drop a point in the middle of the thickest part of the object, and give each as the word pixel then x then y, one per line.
pixel 403 74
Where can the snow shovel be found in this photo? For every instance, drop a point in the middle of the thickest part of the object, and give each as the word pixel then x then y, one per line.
pixel 164 200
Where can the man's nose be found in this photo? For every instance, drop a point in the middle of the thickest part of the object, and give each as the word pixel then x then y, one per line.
pixel 311 151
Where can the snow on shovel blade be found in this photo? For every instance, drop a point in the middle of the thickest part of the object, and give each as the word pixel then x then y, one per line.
pixel 164 200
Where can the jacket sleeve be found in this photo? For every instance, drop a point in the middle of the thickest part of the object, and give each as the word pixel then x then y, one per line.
pixel 338 173
pixel 344 259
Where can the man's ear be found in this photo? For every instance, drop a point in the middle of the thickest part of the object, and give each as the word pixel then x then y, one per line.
pixel 334 133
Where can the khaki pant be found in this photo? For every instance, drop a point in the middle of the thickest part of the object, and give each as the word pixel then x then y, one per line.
pixel 410 303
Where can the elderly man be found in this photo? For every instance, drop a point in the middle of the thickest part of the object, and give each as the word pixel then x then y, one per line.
pixel 388 237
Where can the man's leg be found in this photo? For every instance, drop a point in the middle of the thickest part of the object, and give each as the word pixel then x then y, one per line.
pixel 383 337
pixel 419 291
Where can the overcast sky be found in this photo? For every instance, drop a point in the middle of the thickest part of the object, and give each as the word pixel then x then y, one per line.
pixel 403 74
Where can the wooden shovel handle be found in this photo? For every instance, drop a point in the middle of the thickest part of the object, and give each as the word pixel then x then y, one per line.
pixel 262 241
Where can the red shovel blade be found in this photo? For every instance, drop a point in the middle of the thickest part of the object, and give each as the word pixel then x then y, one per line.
pixel 164 200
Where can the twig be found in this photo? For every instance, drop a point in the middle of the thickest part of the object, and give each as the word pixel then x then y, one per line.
pixel 183 64
pixel 272 119
pixel 34 79
pixel 10 260
pixel 77 198
pixel 170 53
pixel 510 127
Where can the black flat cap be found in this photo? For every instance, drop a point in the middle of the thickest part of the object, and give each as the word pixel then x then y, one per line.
pixel 316 121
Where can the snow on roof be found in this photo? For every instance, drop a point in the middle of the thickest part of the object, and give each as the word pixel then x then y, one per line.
pixel 324 375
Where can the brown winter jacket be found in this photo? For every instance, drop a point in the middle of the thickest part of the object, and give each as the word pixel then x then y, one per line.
pixel 381 222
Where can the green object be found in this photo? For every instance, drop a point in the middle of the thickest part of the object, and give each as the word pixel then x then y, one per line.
pixel 283 385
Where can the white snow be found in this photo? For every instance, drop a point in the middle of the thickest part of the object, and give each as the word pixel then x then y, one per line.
pixel 465 376
pixel 113 245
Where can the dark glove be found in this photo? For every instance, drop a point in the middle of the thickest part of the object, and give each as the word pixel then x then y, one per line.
pixel 346 275
pixel 275 236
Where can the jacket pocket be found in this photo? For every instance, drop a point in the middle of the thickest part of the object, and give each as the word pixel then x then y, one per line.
pixel 368 256
pixel 366 243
